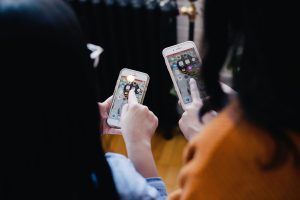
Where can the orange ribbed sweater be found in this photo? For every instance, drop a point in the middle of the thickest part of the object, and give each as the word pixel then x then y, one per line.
pixel 224 162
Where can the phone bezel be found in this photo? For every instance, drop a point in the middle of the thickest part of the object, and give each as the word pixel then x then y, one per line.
pixel 125 72
pixel 174 50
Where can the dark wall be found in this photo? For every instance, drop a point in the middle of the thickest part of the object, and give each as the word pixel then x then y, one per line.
pixel 133 35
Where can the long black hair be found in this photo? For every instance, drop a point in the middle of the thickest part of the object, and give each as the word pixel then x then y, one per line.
pixel 263 37
pixel 50 145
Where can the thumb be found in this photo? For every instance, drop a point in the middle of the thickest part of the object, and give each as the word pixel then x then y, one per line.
pixel 105 106
pixel 109 100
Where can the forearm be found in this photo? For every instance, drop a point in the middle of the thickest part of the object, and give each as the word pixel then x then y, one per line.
pixel 141 156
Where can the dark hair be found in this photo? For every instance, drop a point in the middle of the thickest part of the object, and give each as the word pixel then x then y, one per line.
pixel 267 79
pixel 50 143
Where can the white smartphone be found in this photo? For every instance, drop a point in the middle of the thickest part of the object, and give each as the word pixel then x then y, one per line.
pixel 128 79
pixel 183 62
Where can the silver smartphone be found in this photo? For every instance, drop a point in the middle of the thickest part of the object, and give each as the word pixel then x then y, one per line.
pixel 128 79
pixel 183 62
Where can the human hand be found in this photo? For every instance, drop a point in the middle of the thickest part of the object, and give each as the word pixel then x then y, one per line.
pixel 138 123
pixel 189 123
pixel 104 110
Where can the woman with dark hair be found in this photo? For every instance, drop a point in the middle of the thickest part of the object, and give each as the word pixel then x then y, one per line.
pixel 50 145
pixel 251 149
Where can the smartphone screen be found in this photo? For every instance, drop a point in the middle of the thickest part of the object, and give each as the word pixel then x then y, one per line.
pixel 185 65
pixel 126 83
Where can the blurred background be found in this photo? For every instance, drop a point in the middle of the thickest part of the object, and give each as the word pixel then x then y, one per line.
pixel 133 34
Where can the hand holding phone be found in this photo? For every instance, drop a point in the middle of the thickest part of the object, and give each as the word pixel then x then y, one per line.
pixel 128 80
pixel 137 121
pixel 183 63
pixel 104 108
pixel 189 123
pixel 138 127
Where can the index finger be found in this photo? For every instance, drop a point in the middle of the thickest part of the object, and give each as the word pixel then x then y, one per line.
pixel 194 90
pixel 132 98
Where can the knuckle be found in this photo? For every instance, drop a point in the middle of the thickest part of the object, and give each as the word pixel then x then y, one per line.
pixel 156 118
pixel 152 114
pixel 156 123
pixel 144 108
pixel 134 106
pixel 197 103
pixel 180 122
pixel 185 114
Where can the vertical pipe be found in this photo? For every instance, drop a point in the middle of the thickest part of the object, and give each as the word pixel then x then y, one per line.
pixel 191 29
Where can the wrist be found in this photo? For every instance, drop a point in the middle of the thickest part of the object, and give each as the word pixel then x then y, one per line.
pixel 136 139
pixel 137 144
pixel 142 158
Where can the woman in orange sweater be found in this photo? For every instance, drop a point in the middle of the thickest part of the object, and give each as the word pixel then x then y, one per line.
pixel 251 149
